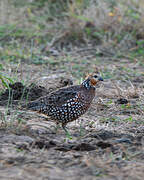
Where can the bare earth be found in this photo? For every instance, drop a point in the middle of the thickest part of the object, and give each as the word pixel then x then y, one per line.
pixel 107 142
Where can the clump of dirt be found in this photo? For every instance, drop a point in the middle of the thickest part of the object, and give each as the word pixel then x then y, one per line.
pixel 18 92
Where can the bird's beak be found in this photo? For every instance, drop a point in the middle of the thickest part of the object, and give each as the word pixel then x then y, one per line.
pixel 100 79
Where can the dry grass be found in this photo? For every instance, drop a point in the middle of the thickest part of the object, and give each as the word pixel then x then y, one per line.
pixel 111 21
pixel 81 19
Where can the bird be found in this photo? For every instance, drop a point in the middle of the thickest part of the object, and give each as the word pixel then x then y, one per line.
pixel 67 104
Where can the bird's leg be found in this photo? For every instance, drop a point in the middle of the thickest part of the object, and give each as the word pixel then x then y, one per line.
pixel 68 135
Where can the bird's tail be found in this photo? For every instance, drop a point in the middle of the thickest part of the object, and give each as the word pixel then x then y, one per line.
pixel 34 106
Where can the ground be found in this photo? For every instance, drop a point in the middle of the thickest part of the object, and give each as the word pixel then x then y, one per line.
pixel 36 58
pixel 107 142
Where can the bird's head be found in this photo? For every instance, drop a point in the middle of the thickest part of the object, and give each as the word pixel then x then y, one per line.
pixel 92 80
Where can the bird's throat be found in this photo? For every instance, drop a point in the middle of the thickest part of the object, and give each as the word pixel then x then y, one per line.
pixel 86 84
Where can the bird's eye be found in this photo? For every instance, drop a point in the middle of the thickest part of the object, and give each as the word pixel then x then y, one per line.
pixel 95 76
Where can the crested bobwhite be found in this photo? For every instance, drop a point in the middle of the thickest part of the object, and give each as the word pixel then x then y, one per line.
pixel 67 104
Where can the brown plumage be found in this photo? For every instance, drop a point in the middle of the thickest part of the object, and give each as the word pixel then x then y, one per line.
pixel 67 104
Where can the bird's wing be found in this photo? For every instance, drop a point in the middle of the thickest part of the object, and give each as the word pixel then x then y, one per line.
pixel 60 97
pixel 55 99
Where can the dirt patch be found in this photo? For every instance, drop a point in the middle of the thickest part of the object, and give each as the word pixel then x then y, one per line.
pixel 50 156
